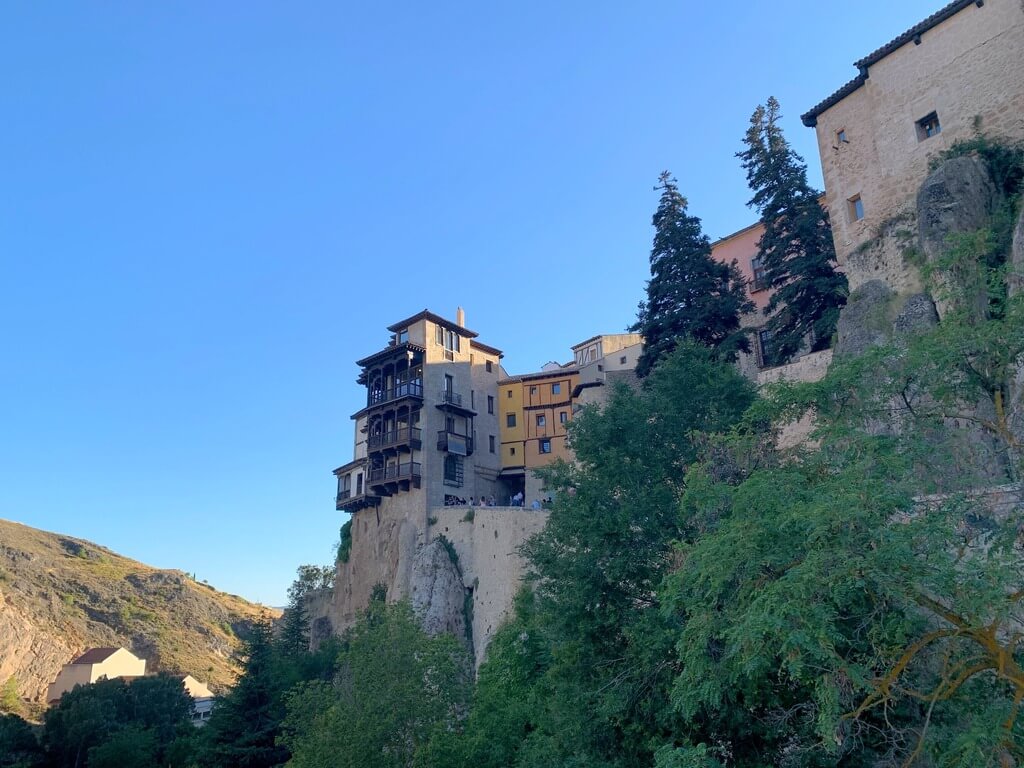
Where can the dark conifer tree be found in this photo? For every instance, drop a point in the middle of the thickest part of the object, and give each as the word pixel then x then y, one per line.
pixel 245 724
pixel 796 249
pixel 689 295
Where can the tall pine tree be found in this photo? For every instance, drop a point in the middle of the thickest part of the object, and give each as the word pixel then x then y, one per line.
pixel 689 295
pixel 796 249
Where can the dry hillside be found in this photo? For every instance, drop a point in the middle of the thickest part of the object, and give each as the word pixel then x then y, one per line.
pixel 60 595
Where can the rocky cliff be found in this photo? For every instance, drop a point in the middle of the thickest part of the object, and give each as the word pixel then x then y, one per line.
pixel 60 595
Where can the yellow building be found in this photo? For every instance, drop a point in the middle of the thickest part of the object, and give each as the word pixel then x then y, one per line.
pixel 533 412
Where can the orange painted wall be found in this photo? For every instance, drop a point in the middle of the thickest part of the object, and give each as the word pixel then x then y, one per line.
pixel 742 248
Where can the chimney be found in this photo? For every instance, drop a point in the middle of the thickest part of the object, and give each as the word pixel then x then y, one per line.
pixel 460 317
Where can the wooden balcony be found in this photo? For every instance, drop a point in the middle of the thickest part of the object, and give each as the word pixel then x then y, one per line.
pixel 396 477
pixel 452 442
pixel 349 501
pixel 410 438
pixel 412 388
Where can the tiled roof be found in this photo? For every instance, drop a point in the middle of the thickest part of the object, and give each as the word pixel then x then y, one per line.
pixel 426 314
pixel 810 118
pixel 95 655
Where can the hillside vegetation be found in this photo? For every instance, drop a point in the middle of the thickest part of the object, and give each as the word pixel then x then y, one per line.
pixel 60 595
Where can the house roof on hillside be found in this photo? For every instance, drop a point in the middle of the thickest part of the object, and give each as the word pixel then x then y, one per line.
pixel 810 118
pixel 95 655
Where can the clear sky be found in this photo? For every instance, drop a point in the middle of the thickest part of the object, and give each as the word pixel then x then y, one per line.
pixel 209 211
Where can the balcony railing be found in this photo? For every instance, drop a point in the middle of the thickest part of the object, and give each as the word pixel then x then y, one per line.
pixel 402 389
pixel 461 445
pixel 401 436
pixel 395 472
pixel 452 398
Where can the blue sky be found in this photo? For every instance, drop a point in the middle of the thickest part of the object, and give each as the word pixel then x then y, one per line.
pixel 208 211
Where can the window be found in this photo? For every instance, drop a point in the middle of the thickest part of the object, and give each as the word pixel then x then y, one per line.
pixel 766 344
pixel 622 360
pixel 545 446
pixel 490 442
pixel 556 388
pixel 489 367
pixel 511 450
pixel 490 404
pixel 533 390
pixel 447 339
pixel 508 394
pixel 856 206
pixel 510 419
pixel 472 398
pixel 453 470
pixel 928 126
pixel 841 136
pixel 403 336
pixel 359 484
pixel 563 416
pixel 541 420
pixel 760 278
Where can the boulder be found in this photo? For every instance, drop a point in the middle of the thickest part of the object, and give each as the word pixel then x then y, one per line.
pixel 437 592
pixel 957 197
pixel 864 321
pixel 917 315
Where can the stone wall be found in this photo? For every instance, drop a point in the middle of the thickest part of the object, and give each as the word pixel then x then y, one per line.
pixel 487 544
pixel 969 66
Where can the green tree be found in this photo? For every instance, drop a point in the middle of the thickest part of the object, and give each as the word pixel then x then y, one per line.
pixel 130 747
pixel 689 295
pixel 582 675
pixel 293 640
pixel 396 688
pixel 245 724
pixel 156 709
pixel 18 745
pixel 10 701
pixel 860 603
pixel 796 248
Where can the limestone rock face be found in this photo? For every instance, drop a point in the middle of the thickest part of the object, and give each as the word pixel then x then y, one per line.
pixel 437 591
pixel 864 321
pixel 1016 280
pixel 917 315
pixel 959 196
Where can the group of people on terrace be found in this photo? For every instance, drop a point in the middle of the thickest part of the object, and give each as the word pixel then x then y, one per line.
pixel 517 500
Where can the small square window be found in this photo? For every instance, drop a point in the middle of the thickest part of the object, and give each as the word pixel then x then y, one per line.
pixel 856 208
pixel 512 450
pixel 622 360
pixel 533 390
pixel 490 404
pixel 510 419
pixel 928 126
pixel 556 388
pixel 545 446
pixel 541 420
pixel 841 136
pixel 563 417
pixel 508 394
pixel 403 336
pixel 489 367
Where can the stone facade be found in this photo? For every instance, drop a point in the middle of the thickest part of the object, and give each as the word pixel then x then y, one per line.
pixel 873 136
pixel 432 408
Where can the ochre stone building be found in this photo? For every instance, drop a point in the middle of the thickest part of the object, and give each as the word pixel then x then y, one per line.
pixel 958 72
